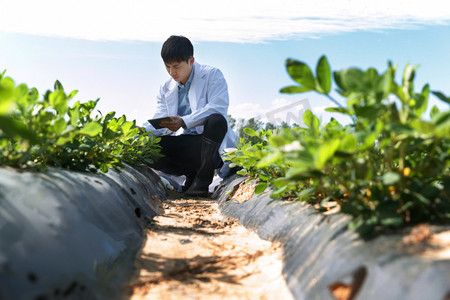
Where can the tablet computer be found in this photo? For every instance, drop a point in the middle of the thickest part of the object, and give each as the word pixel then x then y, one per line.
pixel 157 121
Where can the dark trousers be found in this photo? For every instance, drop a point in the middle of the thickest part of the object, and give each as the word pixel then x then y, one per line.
pixel 182 154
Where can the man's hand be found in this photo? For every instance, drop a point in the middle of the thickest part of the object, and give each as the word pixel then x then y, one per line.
pixel 175 124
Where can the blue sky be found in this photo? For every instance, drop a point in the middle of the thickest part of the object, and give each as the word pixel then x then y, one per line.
pixel 110 50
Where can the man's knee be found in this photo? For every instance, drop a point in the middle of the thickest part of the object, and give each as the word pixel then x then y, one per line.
pixel 216 122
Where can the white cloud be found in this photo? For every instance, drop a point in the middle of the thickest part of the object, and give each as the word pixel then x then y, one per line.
pixel 280 102
pixel 320 109
pixel 246 111
pixel 284 110
pixel 201 20
pixel 281 110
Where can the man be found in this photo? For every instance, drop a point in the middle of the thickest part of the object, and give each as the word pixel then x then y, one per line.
pixel 196 99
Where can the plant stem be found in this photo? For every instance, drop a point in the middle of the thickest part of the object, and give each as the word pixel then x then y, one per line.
pixel 334 101
pixel 340 106
pixel 401 159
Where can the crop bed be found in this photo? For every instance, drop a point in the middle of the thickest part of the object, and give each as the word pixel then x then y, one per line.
pixel 73 235
pixel 323 259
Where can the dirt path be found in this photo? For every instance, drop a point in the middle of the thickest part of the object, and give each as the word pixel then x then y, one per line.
pixel 192 252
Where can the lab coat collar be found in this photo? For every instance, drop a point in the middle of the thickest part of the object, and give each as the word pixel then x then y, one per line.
pixel 197 85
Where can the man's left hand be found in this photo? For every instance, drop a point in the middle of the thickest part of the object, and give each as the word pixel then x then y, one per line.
pixel 175 124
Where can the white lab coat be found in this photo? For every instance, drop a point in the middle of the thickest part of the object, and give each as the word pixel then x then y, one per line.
pixel 208 95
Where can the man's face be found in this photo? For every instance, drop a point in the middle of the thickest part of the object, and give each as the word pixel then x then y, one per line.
pixel 180 71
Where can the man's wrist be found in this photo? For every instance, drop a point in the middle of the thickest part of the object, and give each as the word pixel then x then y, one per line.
pixel 182 123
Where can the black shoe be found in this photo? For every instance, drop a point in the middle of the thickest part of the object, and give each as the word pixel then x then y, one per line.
pixel 200 190
pixel 205 174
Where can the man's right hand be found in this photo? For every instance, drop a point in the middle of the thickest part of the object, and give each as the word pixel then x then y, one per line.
pixel 176 123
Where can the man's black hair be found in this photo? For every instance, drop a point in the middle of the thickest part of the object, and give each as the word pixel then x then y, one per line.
pixel 177 48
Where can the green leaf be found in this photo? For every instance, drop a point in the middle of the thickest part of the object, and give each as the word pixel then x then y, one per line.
pixel 434 111
pixel 295 89
pixel 392 221
pixel 422 199
pixel 442 96
pixel 294 172
pixel 74 117
pixel 23 98
pixel 58 101
pixel 131 133
pixel 441 119
pixel 311 120
pixel 306 192
pixel 72 94
pixel 301 73
pixel 113 125
pixel 263 177
pixel 278 141
pixel 368 140
pixel 341 110
pixel 349 143
pixel 109 116
pixel 371 77
pixel 371 112
pixel 422 101
pixel 65 138
pixel 323 75
pixel 104 168
pixel 398 91
pixel 269 159
pixel 91 129
pixel 261 187
pixel 408 78
pixel 338 79
pixel 390 178
pixel 399 128
pixel 242 172
pixel 13 128
pixel 325 200
pixel 350 80
pixel 278 192
pixel 58 86
pixel 6 94
pixel 126 127
pixel 384 84
pixel 250 131
pixel 326 151
pixel 85 147
pixel 59 126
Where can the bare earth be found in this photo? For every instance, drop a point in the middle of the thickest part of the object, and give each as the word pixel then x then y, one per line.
pixel 193 252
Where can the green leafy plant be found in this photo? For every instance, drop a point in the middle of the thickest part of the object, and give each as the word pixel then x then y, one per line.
pixel 248 153
pixel 389 168
pixel 37 133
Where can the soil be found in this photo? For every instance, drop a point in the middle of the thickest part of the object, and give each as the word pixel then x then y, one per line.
pixel 193 252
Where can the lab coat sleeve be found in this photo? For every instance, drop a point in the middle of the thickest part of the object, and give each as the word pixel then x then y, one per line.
pixel 161 111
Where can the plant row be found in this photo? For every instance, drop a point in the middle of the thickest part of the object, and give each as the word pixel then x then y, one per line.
pixel 37 132
pixel 388 168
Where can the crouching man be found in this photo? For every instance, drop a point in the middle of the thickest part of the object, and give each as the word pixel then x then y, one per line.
pixel 196 100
